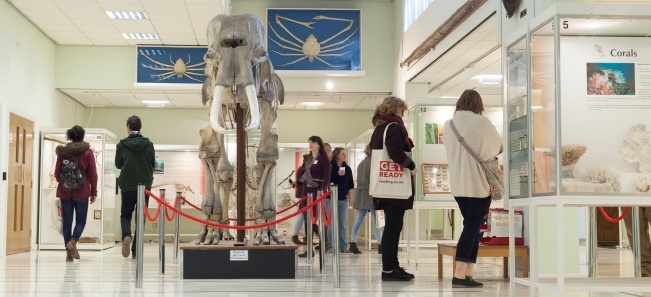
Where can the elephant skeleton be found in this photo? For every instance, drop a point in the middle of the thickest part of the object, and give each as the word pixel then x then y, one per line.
pixel 239 71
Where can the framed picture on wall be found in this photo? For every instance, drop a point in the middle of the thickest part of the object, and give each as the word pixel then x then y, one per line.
pixel 435 178
pixel 314 39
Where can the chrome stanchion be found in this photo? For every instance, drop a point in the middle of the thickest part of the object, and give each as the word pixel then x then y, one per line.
pixel 161 233
pixel 334 200
pixel 177 220
pixel 308 231
pixel 140 228
pixel 592 244
pixel 321 232
pixel 635 218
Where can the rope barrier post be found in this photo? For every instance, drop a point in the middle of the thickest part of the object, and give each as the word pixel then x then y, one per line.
pixel 177 221
pixel 310 234
pixel 140 227
pixel 635 217
pixel 334 201
pixel 161 233
pixel 592 244
pixel 321 231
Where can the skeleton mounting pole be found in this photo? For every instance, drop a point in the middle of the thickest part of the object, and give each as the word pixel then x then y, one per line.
pixel 241 166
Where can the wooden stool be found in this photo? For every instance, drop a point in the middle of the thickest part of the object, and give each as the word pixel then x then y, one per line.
pixel 521 251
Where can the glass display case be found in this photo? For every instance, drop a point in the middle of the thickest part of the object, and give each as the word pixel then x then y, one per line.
pixel 355 150
pixel 100 223
pixel 426 125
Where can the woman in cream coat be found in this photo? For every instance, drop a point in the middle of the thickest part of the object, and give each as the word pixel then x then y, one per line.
pixel 467 179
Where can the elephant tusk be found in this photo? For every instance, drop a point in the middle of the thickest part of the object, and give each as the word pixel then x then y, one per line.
pixel 215 109
pixel 253 107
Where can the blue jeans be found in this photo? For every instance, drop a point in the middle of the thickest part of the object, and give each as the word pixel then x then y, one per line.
pixel 68 210
pixel 342 215
pixel 473 211
pixel 361 214
pixel 300 223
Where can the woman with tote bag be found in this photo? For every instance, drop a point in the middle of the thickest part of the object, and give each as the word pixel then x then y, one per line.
pixel 391 135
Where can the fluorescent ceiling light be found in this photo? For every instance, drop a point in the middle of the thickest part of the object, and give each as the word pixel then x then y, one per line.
pixel 312 105
pixel 330 85
pixel 489 79
pixel 155 101
pixel 156 105
pixel 127 15
pixel 141 36
pixel 449 97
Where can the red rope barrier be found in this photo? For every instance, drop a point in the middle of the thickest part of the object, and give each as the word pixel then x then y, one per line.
pixel 147 212
pixel 169 219
pixel 291 206
pixel 316 202
pixel 326 220
pixel 193 206
pixel 603 212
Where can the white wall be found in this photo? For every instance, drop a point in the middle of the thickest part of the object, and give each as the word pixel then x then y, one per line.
pixel 27 89
pixel 181 126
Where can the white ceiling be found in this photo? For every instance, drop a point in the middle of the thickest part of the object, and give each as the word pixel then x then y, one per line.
pixel 85 22
pixel 478 53
pixel 192 99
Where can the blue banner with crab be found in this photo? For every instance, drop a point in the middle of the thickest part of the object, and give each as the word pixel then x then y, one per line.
pixel 314 39
pixel 171 65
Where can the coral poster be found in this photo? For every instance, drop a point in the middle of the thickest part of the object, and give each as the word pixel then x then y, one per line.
pixel 605 101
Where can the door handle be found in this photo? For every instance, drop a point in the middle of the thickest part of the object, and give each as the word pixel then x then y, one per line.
pixel 19 174
pixel 23 179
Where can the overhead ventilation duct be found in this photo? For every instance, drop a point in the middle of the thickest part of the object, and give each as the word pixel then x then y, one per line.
pixel 443 31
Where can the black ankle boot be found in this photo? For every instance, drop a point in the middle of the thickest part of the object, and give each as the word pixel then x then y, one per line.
pixel 379 249
pixel 353 248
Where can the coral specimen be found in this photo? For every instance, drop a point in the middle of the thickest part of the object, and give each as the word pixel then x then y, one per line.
pixel 602 175
pixel 571 155
pixel 643 184
pixel 638 148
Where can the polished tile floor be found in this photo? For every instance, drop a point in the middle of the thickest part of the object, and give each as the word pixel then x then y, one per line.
pixel 45 273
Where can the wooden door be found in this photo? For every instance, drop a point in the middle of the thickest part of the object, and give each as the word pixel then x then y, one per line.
pixel 607 232
pixel 19 198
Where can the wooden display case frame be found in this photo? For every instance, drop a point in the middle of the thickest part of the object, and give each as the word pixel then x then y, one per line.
pixel 427 177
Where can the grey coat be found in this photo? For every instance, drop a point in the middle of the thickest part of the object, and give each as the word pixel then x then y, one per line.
pixel 362 199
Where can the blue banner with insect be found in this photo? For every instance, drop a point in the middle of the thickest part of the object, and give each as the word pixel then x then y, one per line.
pixel 314 39
pixel 171 65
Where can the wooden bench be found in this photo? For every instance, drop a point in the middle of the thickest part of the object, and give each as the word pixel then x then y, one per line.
pixel 450 249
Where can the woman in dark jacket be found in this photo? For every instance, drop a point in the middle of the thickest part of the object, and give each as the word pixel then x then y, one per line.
pixel 342 176
pixel 318 167
pixel 398 145
pixel 300 221
pixel 75 203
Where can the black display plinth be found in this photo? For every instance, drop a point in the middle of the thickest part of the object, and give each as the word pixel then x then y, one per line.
pixel 226 261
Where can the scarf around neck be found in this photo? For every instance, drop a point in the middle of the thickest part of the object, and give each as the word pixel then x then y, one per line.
pixel 383 118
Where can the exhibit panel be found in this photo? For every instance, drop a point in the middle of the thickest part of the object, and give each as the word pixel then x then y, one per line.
pixel 99 231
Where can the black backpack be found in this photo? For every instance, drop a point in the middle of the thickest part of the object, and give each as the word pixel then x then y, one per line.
pixel 71 177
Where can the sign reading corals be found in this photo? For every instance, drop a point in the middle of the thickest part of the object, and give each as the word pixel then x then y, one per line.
pixel 314 39
pixel 240 255
pixel 170 65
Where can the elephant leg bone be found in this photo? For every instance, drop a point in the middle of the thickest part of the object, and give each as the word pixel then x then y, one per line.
pixel 202 235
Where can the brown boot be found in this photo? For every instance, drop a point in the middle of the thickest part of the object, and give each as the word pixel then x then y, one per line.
pixel 296 241
pixel 68 256
pixel 72 248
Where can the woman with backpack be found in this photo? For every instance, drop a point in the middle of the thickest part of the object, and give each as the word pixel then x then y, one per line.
pixel 77 177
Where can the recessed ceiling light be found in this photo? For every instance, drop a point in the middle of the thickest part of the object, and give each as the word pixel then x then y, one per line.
pixel 449 97
pixel 141 36
pixel 155 101
pixel 312 105
pixel 160 105
pixel 330 85
pixel 127 15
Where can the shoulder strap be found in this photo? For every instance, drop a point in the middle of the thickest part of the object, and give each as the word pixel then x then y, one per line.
pixel 384 137
pixel 463 142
